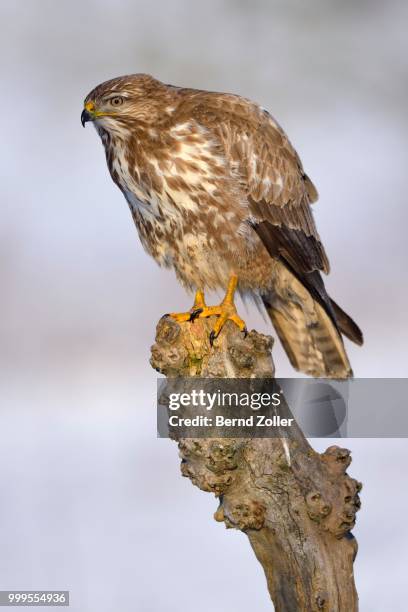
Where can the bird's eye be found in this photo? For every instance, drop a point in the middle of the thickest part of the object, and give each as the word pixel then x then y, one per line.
pixel 116 101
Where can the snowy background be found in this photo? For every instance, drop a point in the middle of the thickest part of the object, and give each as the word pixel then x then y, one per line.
pixel 91 500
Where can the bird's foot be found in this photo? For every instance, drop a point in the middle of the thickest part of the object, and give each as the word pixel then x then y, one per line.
pixel 226 311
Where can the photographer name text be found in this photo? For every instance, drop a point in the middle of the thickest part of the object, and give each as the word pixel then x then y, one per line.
pixel 258 420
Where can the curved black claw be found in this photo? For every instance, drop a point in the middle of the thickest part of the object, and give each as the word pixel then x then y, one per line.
pixel 245 332
pixel 194 314
pixel 212 337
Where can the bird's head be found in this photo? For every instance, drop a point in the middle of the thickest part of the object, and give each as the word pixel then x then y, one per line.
pixel 121 103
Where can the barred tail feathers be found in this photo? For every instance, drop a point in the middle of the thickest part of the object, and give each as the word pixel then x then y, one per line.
pixel 309 334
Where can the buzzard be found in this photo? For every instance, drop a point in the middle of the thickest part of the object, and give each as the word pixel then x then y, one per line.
pixel 218 193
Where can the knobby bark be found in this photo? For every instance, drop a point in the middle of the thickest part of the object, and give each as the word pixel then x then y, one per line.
pixel 296 506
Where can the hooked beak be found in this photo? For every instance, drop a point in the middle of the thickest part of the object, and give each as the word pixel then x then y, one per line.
pixel 89 113
pixel 86 116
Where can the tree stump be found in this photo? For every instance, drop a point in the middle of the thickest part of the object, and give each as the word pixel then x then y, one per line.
pixel 296 506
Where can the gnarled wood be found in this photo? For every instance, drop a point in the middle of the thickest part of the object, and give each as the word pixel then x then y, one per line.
pixel 296 506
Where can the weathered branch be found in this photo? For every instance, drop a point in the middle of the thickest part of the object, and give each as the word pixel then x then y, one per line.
pixel 296 506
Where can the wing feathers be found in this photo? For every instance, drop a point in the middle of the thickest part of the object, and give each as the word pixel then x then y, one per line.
pixel 271 175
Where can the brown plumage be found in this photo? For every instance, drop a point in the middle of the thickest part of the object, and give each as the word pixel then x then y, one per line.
pixel 215 188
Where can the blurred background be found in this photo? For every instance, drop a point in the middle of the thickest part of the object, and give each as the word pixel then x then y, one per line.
pixel 91 500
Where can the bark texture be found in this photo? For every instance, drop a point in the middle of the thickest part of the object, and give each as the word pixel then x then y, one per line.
pixel 296 506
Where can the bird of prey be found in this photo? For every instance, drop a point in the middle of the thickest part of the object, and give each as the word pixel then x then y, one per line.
pixel 218 193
